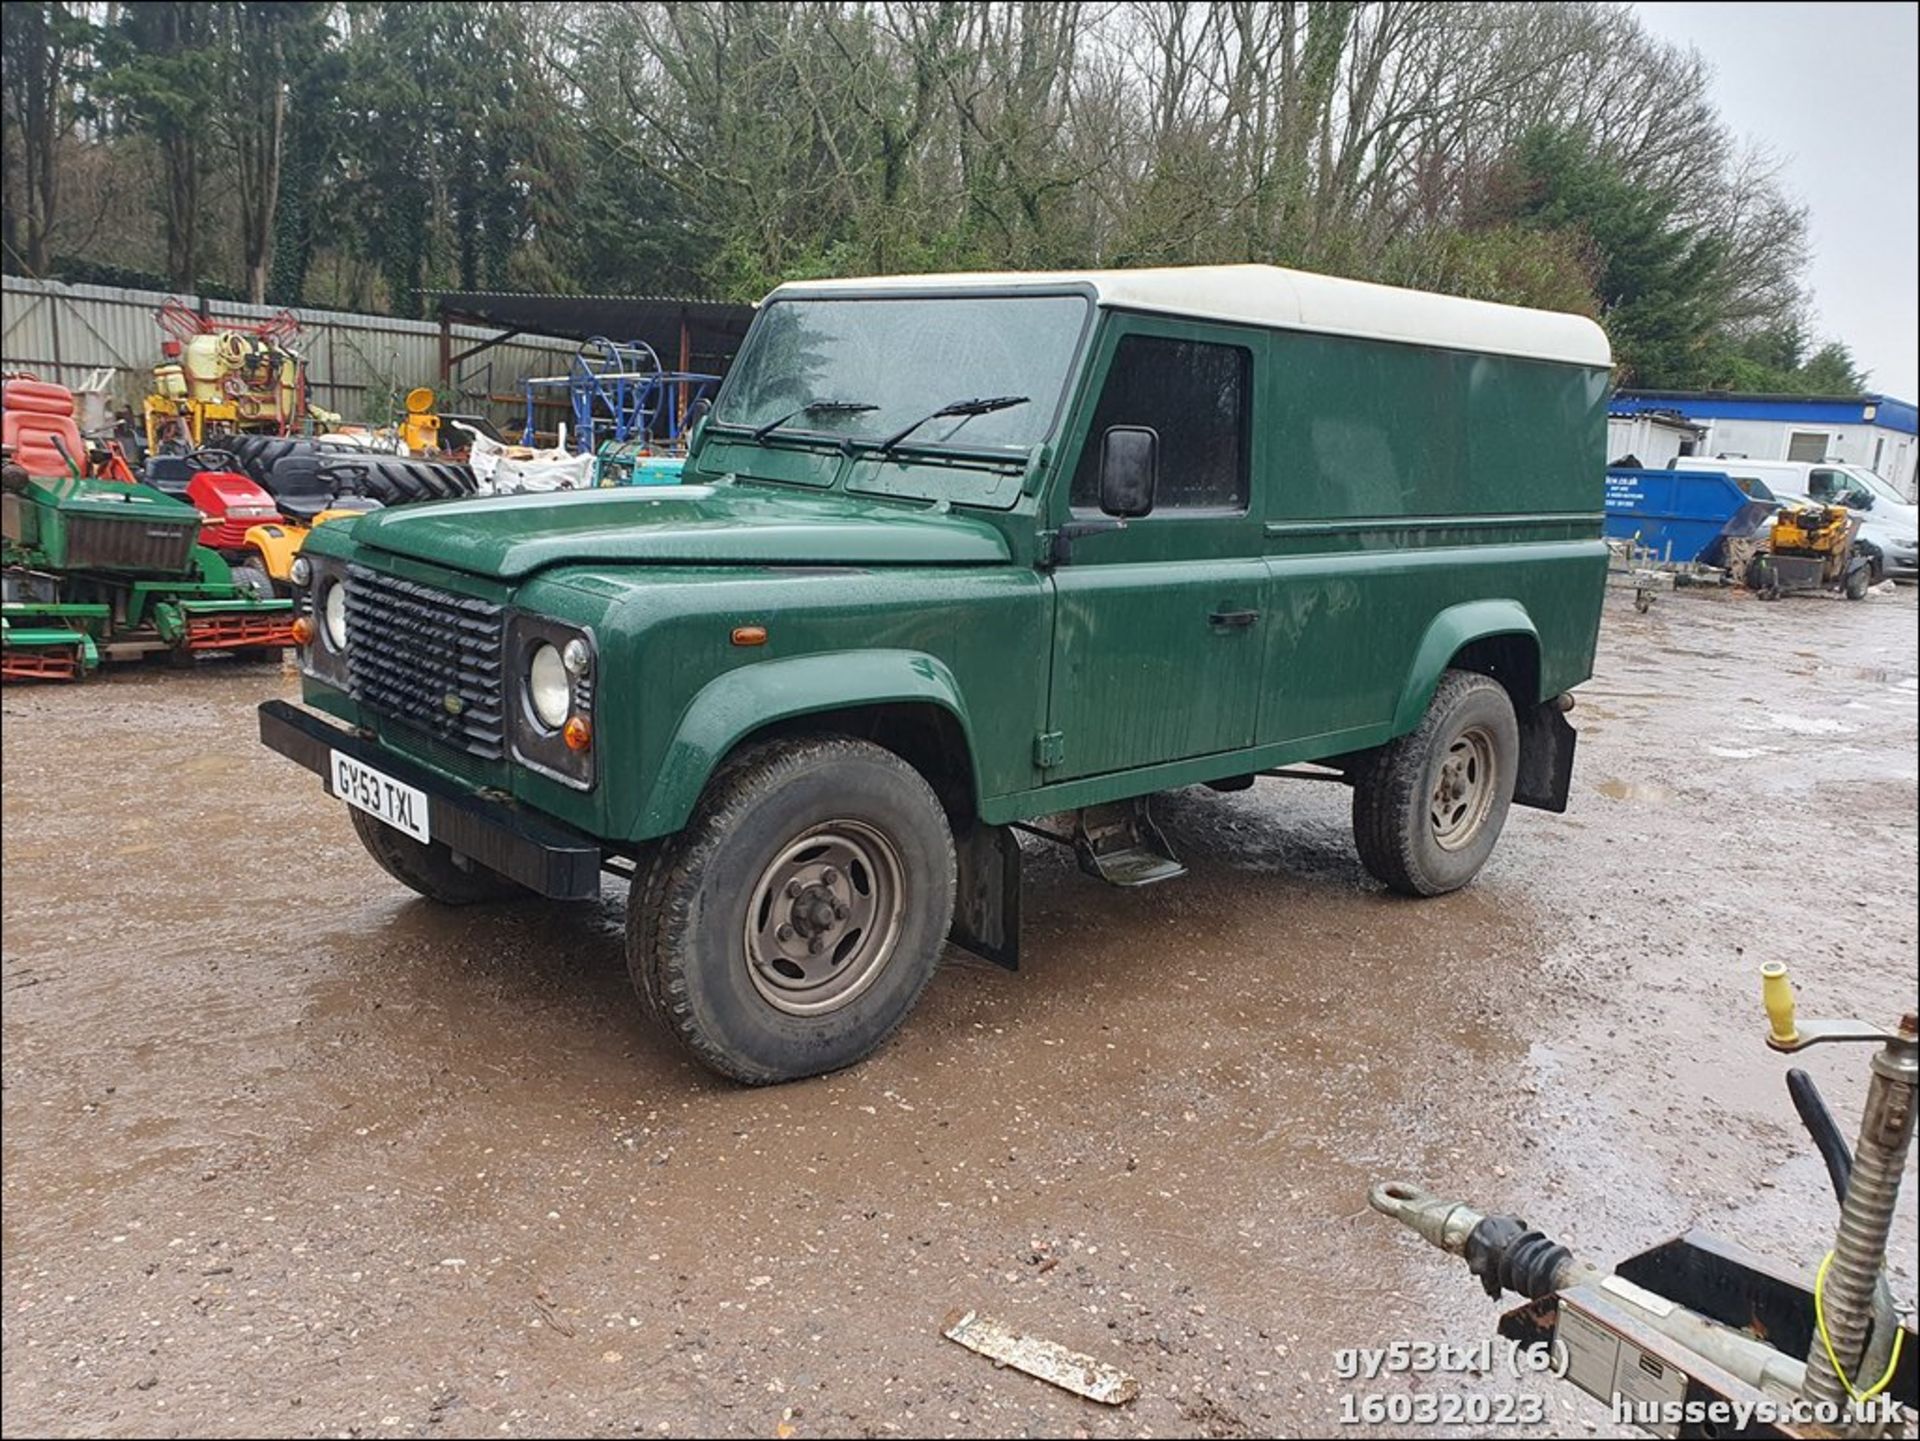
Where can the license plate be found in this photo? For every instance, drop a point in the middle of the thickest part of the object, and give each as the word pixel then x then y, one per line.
pixel 401 806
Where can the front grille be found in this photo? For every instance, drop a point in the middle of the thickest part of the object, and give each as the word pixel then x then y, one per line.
pixel 428 657
pixel 229 534
pixel 96 542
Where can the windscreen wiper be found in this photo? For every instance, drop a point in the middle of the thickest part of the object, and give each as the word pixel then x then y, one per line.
pixel 967 408
pixel 813 407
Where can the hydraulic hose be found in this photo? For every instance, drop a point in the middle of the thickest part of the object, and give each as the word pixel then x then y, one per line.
pixel 1825 1131
pixel 1836 1365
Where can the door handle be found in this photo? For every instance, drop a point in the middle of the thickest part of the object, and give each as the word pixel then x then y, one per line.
pixel 1233 619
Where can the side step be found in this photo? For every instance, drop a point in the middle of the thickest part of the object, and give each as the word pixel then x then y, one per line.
pixel 1119 844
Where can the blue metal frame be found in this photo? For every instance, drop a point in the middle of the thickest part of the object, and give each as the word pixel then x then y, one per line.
pixel 619 391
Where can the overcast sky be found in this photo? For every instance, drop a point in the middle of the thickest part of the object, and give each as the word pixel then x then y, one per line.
pixel 1831 88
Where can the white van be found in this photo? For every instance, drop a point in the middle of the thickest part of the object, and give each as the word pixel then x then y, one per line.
pixel 1887 519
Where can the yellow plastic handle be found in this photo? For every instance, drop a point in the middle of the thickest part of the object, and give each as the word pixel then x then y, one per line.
pixel 1776 992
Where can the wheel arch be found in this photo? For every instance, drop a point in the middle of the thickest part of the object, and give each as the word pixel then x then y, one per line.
pixel 906 701
pixel 1497 638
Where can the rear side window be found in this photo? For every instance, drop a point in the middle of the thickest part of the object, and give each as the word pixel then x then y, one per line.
pixel 1196 397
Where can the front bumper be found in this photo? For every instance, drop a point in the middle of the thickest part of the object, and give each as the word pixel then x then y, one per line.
pixel 523 845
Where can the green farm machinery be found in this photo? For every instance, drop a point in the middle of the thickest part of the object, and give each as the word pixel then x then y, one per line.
pixel 98 566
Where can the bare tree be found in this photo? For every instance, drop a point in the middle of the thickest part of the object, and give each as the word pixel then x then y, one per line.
pixel 38 45
pixel 253 122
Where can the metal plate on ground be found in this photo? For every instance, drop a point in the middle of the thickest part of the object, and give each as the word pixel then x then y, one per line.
pixel 1047 1360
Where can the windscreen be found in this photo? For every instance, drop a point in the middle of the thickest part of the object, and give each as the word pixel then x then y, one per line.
pixel 815 360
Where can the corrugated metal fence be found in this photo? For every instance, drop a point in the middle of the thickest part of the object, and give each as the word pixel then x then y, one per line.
pixel 358 365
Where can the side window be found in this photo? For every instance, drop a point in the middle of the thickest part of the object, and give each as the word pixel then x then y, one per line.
pixel 1196 396
pixel 1807 445
pixel 1826 484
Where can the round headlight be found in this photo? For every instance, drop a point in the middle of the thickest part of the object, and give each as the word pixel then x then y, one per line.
pixel 333 609
pixel 577 656
pixel 301 571
pixel 548 687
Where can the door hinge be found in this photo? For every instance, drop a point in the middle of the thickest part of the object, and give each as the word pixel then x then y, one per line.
pixel 1049 749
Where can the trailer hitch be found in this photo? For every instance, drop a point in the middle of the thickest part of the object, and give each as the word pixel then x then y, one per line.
pixel 1706 1321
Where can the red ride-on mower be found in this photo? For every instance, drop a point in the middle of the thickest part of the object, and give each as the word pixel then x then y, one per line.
pixel 253 530
pixel 231 504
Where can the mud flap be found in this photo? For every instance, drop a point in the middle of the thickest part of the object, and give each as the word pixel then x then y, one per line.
pixel 986 900
pixel 1546 758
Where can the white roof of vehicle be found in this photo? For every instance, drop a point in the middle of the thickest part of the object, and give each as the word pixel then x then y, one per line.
pixel 1268 295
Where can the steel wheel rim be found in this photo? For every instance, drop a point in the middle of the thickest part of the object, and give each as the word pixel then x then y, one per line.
pixel 1463 789
pixel 824 918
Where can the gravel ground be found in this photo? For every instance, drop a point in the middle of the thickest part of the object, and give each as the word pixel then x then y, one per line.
pixel 288 1151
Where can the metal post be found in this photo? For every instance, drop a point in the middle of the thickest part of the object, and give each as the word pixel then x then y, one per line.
pixel 686 364
pixel 53 323
pixel 1866 1219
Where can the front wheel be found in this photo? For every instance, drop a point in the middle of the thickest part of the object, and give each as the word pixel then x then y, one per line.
pixel 431 868
pixel 790 927
pixel 1428 807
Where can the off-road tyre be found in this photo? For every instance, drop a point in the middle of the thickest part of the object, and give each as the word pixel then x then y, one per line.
pixel 431 869
pixel 688 919
pixel 1395 829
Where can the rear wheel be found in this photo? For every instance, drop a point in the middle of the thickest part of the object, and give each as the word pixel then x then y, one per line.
pixel 1859 579
pixel 1763 577
pixel 1428 807
pixel 791 925
pixel 431 868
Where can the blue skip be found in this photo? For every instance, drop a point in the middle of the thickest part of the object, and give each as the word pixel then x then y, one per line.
pixel 1682 516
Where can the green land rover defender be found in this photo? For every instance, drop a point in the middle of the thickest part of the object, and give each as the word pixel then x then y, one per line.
pixel 958 552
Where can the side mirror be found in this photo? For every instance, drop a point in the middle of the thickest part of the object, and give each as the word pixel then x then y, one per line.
pixel 696 425
pixel 1129 470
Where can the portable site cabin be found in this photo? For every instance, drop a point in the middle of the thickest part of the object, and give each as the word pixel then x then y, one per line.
pixel 1875 431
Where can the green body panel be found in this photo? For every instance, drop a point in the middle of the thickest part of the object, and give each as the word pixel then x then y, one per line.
pixel 745 699
pixel 1404 503
pixel 675 694
pixel 1447 634
pixel 516 536
pixel 43 520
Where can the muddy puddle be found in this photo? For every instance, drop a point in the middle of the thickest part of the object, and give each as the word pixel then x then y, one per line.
pixel 287 1151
